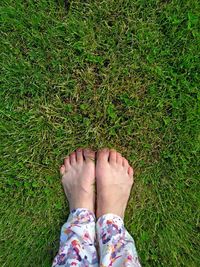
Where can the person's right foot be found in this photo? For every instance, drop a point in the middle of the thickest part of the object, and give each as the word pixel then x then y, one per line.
pixel 114 179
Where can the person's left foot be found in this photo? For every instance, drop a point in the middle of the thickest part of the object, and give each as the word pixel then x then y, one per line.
pixel 78 179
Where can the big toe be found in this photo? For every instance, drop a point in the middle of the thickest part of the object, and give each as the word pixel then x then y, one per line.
pixel 103 155
pixel 89 154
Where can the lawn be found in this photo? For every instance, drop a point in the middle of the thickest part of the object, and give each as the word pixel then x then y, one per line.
pixel 121 74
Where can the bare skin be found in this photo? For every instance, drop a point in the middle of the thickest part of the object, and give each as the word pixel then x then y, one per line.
pixel 114 179
pixel 78 179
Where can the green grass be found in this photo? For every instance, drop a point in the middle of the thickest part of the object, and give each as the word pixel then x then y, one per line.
pixel 122 74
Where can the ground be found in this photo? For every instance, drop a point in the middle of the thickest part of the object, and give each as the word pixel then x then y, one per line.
pixel 122 74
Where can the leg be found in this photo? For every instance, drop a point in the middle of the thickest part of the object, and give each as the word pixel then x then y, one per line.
pixel 77 241
pixel 114 178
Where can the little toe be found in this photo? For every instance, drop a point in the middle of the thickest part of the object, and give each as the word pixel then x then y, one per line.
pixel 130 172
pixel 67 163
pixel 103 155
pixel 73 158
pixel 79 155
pixel 89 154
pixel 62 169
pixel 113 156
pixel 119 158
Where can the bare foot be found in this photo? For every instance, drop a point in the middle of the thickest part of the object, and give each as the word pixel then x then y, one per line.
pixel 78 179
pixel 114 178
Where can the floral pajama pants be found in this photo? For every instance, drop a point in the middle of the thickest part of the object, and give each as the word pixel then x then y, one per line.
pixel 105 243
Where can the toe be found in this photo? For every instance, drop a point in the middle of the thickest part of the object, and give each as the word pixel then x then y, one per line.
pixel 89 154
pixel 79 155
pixel 73 158
pixel 119 158
pixel 103 155
pixel 113 156
pixel 125 163
pixel 67 163
pixel 130 172
pixel 62 169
